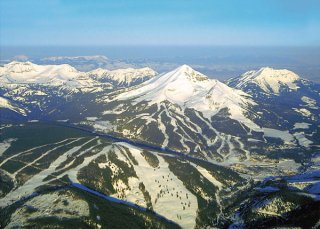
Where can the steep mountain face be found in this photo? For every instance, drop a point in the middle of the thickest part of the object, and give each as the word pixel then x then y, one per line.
pixel 42 90
pixel 286 100
pixel 271 81
pixel 185 111
pixel 175 111
pixel 123 77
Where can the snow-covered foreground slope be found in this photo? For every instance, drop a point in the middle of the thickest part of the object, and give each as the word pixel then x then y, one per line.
pixel 5 103
pixel 182 191
pixel 191 192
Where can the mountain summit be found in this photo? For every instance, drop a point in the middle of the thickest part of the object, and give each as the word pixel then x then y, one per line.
pixel 27 72
pixel 189 88
pixel 268 79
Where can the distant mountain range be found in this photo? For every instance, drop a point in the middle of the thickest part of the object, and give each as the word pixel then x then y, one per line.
pixel 250 133
pixel 253 115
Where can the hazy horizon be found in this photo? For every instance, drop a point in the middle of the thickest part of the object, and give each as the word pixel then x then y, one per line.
pixel 221 62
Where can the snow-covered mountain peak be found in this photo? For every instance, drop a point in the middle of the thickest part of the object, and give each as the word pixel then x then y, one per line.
pixel 191 89
pixel 185 68
pixel 283 75
pixel 98 72
pixel 18 67
pixel 30 69
pixel 190 73
pixel 268 79
pixel 30 73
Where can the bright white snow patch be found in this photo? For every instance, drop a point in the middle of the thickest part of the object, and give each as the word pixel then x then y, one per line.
pixel 102 125
pixel 310 102
pixel 208 175
pixel 4 103
pixel 301 125
pixel 284 135
pixel 304 112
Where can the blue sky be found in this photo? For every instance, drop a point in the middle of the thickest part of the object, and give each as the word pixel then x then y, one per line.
pixel 160 22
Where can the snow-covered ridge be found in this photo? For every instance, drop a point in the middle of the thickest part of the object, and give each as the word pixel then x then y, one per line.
pixel 123 76
pixel 27 72
pixel 63 74
pixel 189 88
pixel 270 80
